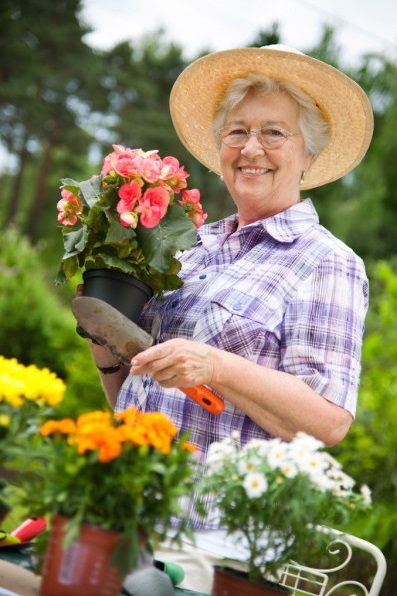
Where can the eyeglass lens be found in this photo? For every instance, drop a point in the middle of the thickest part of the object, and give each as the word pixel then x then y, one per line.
pixel 267 137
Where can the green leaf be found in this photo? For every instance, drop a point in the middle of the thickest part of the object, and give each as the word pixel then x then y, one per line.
pixel 69 267
pixel 159 244
pixel 75 242
pixel 118 233
pixel 90 190
pixel 70 182
pixel 61 276
pixel 109 261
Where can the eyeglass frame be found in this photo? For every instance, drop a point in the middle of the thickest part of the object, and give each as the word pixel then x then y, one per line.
pixel 284 133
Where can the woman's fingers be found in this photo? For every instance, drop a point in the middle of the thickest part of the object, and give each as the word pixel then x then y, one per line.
pixel 175 363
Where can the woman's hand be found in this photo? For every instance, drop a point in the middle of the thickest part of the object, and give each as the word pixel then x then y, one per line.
pixel 176 363
pixel 80 290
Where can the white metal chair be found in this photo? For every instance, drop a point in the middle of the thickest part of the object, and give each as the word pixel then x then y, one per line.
pixel 325 582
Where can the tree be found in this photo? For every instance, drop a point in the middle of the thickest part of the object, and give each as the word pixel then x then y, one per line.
pixel 41 92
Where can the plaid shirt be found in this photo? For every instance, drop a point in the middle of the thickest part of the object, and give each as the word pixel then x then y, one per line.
pixel 282 292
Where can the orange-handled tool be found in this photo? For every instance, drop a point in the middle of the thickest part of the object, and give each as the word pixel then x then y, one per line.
pixel 124 338
pixel 205 398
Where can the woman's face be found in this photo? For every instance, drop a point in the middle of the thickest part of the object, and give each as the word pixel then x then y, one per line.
pixel 264 182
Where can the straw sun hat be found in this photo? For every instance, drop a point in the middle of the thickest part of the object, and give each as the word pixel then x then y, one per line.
pixel 198 90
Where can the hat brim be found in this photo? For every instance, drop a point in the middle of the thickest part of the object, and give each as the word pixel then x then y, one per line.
pixel 197 92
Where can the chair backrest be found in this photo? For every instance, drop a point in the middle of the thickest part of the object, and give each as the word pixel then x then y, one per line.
pixel 342 550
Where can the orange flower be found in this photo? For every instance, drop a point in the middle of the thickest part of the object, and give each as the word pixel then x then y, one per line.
pixel 186 446
pixel 99 431
pixel 157 431
pixel 64 426
pixel 107 443
pixel 153 429
pixel 95 432
pixel 96 417
pixel 129 416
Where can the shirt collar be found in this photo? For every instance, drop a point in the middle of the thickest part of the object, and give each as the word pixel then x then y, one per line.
pixel 293 222
pixel 283 227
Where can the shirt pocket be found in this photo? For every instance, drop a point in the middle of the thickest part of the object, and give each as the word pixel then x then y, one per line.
pixel 239 322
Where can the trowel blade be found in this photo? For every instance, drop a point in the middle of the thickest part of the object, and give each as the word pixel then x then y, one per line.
pixel 110 328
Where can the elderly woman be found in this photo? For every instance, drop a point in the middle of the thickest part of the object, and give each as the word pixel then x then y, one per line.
pixel 271 313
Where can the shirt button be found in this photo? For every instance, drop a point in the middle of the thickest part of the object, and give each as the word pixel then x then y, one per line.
pixel 202 276
pixel 237 306
pixel 174 303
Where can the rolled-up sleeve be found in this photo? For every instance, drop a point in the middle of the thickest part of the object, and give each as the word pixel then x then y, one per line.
pixel 323 329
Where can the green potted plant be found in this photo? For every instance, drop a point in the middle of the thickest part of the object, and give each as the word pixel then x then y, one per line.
pixel 109 485
pixel 270 496
pixel 132 218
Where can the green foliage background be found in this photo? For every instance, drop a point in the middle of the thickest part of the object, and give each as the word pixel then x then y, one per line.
pixel 369 450
pixel 62 105
pixel 37 326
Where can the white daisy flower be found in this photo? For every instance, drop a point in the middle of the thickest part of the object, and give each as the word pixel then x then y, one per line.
pixel 255 485
pixel 366 494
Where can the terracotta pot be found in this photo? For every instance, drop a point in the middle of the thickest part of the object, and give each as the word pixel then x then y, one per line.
pixel 230 582
pixel 122 291
pixel 85 567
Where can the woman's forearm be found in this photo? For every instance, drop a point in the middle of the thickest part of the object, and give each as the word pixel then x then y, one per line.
pixel 280 403
pixel 112 381
pixel 111 384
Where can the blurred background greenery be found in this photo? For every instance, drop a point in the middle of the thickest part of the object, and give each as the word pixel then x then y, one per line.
pixel 63 104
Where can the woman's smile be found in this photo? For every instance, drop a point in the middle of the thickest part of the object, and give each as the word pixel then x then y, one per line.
pixel 255 171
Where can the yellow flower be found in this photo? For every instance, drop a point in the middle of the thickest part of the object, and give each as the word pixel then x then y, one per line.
pixel 4 420
pixel 20 383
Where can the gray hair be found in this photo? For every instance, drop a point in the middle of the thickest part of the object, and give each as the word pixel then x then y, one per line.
pixel 314 128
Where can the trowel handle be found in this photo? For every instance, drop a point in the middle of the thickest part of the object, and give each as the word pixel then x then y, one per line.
pixel 205 398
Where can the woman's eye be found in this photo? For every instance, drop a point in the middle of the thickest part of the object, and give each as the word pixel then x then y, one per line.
pixel 272 132
pixel 238 132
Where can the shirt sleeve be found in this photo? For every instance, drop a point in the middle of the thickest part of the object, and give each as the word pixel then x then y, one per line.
pixel 323 328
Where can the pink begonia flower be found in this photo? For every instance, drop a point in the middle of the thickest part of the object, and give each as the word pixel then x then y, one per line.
pixel 153 206
pixel 197 215
pixel 69 208
pixel 128 163
pixel 120 161
pixel 191 196
pixel 129 219
pixel 148 168
pixel 129 194
pixel 174 174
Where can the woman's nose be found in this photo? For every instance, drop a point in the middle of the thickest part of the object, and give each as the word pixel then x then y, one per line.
pixel 252 146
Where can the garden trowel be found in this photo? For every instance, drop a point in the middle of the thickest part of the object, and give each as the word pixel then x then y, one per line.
pixel 124 338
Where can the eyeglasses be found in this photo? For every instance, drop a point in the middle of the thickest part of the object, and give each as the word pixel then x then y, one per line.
pixel 269 138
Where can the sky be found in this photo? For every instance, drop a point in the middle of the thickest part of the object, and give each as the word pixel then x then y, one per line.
pixel 361 26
